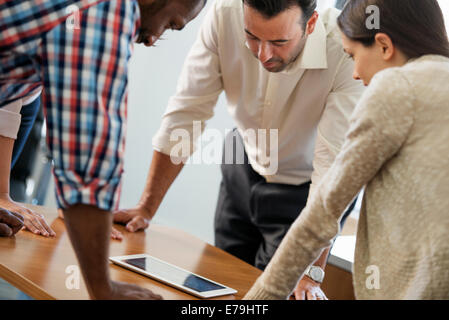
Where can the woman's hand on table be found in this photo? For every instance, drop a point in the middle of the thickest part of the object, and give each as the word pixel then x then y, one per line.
pixel 33 221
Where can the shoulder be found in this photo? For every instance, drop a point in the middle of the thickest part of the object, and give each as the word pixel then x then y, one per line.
pixel 228 6
pixel 329 18
pixel 417 74
pixel 335 52
pixel 389 80
pixel 229 3
pixel 388 90
pixel 228 12
pixel 427 70
pixel 227 16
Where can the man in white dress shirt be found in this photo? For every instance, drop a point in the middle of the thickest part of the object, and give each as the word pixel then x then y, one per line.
pixel 282 68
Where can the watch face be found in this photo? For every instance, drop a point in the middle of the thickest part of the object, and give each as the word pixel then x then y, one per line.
pixel 316 274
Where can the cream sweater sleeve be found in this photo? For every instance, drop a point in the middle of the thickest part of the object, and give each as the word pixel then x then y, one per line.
pixel 378 128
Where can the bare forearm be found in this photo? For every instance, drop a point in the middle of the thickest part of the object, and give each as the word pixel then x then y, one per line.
pixel 6 147
pixel 89 229
pixel 321 261
pixel 160 177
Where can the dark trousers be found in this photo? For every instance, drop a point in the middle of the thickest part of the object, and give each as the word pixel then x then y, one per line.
pixel 29 113
pixel 253 216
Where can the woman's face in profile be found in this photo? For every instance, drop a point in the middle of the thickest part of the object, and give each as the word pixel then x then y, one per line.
pixel 367 60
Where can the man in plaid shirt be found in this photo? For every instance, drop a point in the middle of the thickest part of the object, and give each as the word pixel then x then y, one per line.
pixel 78 52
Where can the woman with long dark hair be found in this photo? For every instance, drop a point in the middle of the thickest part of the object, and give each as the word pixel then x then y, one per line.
pixel 398 148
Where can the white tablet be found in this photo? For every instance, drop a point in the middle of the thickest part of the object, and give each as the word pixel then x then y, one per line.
pixel 172 275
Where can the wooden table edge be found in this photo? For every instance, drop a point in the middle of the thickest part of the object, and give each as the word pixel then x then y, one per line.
pixel 24 284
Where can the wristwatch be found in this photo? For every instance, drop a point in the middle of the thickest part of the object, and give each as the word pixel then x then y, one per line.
pixel 315 273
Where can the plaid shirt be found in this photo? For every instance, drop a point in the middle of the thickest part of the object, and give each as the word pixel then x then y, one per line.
pixel 81 61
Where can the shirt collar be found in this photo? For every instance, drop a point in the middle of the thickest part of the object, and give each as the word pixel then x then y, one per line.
pixel 314 54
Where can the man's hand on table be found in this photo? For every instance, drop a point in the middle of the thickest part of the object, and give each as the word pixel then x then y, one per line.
pixel 115 234
pixel 307 289
pixel 135 219
pixel 32 221
pixel 10 223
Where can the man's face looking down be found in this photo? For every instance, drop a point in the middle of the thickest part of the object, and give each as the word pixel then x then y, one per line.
pixel 277 41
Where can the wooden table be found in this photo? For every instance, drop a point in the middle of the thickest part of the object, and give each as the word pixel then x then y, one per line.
pixel 37 265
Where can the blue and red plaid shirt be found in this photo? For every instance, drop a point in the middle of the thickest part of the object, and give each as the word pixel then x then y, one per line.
pixel 81 61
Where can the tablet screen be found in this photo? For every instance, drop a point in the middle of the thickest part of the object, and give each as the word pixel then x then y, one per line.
pixel 174 274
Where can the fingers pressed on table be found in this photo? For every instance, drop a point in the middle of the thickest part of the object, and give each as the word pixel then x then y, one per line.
pixel 33 224
pixel 115 234
pixel 136 224
pixel 30 226
pixel 300 296
pixel 47 228
pixel 5 230
pixel 36 223
pixel 12 220
pixel 310 296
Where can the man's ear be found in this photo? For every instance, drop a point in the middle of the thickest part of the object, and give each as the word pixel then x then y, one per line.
pixel 310 27
pixel 385 45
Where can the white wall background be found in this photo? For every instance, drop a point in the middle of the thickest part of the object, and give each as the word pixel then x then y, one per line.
pixel 444 4
pixel 190 203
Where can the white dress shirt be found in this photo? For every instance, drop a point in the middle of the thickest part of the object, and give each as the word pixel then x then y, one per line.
pixel 309 103
pixel 10 116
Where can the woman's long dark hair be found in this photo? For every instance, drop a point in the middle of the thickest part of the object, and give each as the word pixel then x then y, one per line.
pixel 416 27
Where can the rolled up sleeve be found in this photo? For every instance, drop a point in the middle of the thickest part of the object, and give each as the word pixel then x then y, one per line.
pixel 10 119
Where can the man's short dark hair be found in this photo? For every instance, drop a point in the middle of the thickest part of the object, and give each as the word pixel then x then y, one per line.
pixel 271 8
pixel 193 3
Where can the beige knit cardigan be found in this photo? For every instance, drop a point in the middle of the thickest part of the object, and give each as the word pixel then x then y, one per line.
pixel 398 147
